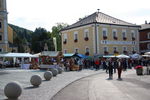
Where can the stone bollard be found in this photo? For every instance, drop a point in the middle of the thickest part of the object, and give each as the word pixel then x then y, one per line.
pixel 48 75
pixel 54 71
pixel 60 70
pixel 13 90
pixel 36 80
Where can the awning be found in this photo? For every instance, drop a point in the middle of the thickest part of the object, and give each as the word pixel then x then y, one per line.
pixel 18 55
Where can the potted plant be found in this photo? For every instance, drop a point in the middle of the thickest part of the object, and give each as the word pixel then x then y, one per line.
pixel 139 70
pixel 86 38
pixel 75 40
pixel 104 37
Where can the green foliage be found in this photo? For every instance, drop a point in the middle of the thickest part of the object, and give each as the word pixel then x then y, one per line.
pixel 56 33
pixel 21 37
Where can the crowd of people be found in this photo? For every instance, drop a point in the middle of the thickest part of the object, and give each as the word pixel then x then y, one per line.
pixel 111 65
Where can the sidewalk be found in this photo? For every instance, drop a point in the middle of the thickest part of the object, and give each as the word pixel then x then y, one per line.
pixel 47 89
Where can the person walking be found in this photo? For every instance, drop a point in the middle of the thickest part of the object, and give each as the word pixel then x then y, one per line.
pixel 110 69
pixel 120 67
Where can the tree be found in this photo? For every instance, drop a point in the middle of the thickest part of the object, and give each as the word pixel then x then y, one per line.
pixel 39 37
pixel 56 33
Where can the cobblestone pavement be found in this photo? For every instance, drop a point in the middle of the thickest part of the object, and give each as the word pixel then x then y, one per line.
pixel 47 89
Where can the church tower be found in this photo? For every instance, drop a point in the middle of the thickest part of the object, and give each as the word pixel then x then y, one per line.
pixel 3 27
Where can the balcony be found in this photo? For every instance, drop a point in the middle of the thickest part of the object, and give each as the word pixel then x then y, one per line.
pixel 133 38
pixel 75 40
pixel 106 52
pixel 65 41
pixel 116 38
pixel 86 38
pixel 104 37
pixel 87 53
pixel 124 38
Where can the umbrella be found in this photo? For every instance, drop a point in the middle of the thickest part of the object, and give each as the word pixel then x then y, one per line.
pixel 136 56
pixel 122 56
pixel 145 55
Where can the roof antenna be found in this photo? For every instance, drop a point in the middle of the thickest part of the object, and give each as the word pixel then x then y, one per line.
pixel 98 10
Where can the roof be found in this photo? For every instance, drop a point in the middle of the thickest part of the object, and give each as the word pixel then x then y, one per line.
pixel 99 17
pixel 50 53
pixel 145 26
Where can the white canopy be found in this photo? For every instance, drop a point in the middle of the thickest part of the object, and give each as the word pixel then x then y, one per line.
pixel 19 55
pixel 147 53
pixel 122 56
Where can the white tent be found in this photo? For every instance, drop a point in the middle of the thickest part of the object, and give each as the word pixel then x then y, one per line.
pixel 18 55
pixel 147 53
pixel 122 56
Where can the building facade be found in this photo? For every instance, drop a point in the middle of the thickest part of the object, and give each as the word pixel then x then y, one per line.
pixel 99 33
pixel 6 32
pixel 144 34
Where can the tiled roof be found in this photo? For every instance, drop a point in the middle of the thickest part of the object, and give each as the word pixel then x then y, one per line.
pixel 99 17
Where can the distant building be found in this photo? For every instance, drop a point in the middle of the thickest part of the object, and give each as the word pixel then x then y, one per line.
pixel 99 33
pixel 145 37
pixel 6 32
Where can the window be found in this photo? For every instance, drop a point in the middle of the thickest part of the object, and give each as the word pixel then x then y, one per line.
pixel 148 46
pixel 76 50
pixel 87 51
pixel 124 48
pixel 86 34
pixel 65 51
pixel 114 32
pixel 0 37
pixel 0 50
pixel 148 35
pixel 65 39
pixel 75 36
pixel 105 49
pixel 133 48
pixel 124 34
pixel 133 35
pixel 115 48
pixel 0 25
pixel 104 30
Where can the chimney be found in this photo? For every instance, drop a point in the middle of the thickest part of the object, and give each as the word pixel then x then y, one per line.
pixel 145 21
pixel 98 10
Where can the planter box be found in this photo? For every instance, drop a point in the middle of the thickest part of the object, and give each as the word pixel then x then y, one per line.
pixel 139 71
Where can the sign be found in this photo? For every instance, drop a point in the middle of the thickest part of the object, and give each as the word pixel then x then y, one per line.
pixel 118 42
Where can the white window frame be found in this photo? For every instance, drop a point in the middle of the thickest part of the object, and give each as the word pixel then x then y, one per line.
pixel 65 51
pixel 124 49
pixel 86 33
pixel 148 46
pixel 133 48
pixel 116 48
pixel 104 29
pixel 65 36
pixel 124 31
pixel 132 33
pixel 106 48
pixel 75 33
pixel 148 35
pixel 86 49
pixel 76 50
pixel 114 30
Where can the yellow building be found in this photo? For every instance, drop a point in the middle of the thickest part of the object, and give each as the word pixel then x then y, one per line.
pixel 99 33
pixel 6 32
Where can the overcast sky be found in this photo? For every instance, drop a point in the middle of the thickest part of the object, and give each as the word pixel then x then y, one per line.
pixel 31 14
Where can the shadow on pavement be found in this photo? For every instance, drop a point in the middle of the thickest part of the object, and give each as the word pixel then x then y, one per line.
pixel 31 87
